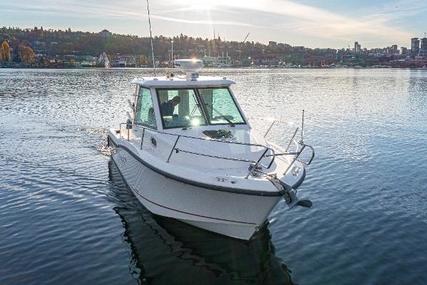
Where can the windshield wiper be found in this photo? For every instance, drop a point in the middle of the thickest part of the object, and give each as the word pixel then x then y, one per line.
pixel 222 116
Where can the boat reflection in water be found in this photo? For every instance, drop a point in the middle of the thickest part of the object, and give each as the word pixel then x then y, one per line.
pixel 167 251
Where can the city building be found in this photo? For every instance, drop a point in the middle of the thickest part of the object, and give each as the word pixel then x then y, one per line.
pixel 423 49
pixel 394 49
pixel 357 47
pixel 415 46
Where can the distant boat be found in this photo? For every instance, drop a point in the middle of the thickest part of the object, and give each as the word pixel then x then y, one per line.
pixel 103 60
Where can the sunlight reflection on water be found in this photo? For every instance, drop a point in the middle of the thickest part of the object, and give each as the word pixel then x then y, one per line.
pixel 64 219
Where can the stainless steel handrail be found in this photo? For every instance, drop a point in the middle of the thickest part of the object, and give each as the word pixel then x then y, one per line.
pixel 298 153
pixel 254 167
pixel 197 138
pixel 214 156
pixel 144 129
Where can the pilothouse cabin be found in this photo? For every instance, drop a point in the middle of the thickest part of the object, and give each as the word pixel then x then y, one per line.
pixel 186 102
pixel 192 107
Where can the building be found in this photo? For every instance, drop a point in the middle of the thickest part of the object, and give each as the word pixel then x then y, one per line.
pixel 394 49
pixel 415 46
pixel 403 51
pixel 123 61
pixel 357 47
pixel 217 61
pixel 423 49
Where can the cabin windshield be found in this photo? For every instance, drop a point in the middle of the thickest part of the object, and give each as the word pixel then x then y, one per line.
pixel 182 108
pixel 220 107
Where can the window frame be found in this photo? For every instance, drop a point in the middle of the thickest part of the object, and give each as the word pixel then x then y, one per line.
pixel 197 99
pixel 201 102
pixel 232 98
pixel 153 106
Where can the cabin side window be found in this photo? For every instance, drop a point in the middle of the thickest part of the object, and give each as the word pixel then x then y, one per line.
pixel 145 109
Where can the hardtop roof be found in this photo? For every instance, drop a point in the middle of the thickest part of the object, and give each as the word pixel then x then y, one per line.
pixel 182 82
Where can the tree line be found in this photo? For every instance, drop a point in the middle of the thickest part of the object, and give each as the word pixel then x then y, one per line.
pixel 26 43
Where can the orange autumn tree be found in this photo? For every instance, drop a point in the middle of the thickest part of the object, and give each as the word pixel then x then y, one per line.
pixel 26 54
pixel 5 51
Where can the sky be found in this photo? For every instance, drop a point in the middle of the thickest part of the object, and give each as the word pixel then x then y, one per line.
pixel 310 23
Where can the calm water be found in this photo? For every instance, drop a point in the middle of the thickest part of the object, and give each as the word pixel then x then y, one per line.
pixel 66 216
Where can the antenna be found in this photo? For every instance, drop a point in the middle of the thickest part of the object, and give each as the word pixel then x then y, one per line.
pixel 151 37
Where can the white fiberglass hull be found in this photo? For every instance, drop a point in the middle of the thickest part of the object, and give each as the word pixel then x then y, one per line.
pixel 236 215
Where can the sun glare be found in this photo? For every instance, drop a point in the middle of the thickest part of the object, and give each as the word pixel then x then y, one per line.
pixel 195 122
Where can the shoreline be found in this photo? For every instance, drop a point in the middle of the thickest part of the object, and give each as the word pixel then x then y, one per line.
pixel 216 68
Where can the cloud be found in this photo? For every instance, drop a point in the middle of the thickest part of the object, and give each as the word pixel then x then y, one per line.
pixel 375 26
pixel 321 23
pixel 401 9
pixel 202 22
pixel 136 12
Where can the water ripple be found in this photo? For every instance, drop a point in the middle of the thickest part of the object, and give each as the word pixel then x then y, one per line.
pixel 66 216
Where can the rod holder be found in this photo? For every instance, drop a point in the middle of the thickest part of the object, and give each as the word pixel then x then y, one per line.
pixel 302 127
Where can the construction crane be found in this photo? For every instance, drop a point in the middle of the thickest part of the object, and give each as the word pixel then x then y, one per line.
pixel 246 37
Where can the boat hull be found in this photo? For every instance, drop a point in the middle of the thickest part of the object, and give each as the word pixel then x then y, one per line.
pixel 238 215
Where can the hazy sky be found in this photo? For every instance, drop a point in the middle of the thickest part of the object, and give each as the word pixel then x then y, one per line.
pixel 312 23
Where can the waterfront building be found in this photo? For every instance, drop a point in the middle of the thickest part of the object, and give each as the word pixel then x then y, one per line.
pixel 403 51
pixel 423 49
pixel 415 46
pixel 217 61
pixel 123 61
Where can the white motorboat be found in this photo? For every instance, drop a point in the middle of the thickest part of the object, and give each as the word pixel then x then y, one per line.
pixel 188 152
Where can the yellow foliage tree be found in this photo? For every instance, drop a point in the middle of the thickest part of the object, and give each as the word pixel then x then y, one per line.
pixel 142 60
pixel 5 51
pixel 27 54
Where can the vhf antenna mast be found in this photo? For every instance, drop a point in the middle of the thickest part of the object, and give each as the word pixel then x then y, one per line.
pixel 151 38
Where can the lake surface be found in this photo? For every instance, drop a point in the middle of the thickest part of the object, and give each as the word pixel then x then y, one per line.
pixel 66 216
